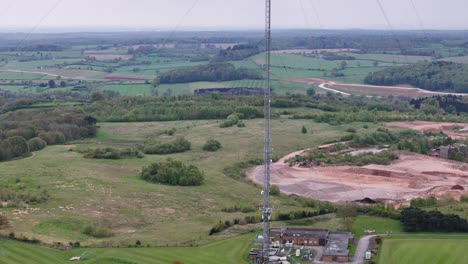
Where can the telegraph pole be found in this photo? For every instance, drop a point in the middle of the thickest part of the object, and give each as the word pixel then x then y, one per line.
pixel 266 208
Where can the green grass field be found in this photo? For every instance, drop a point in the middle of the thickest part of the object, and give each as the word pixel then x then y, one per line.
pixel 110 193
pixel 379 224
pixel 129 89
pixel 426 249
pixel 279 87
pixel 228 251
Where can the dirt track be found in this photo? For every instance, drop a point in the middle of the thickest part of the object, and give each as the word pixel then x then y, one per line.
pixel 413 175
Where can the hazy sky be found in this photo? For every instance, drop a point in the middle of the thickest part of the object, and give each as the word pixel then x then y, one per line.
pixel 38 15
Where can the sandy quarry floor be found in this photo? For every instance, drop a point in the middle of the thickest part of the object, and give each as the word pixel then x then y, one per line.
pixel 413 175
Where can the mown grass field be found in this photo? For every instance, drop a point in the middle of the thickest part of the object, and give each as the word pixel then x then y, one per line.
pixel 129 89
pixel 228 251
pixel 297 65
pixel 425 249
pixel 111 194
pixel 379 224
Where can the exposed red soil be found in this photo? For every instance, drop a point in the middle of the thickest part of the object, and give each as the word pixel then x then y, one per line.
pixel 413 175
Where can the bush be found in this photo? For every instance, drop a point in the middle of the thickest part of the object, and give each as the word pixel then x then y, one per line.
pixel 36 144
pixel 275 190
pixel 97 231
pixel 230 121
pixel 351 130
pixel 240 123
pixel 304 130
pixel 109 153
pixel 19 146
pixel 161 148
pixel 4 223
pixel 212 145
pixel 173 172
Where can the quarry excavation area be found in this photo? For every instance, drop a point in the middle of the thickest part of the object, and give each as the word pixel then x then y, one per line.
pixel 412 175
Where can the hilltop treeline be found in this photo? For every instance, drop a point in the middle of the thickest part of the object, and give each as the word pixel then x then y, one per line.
pixel 433 76
pixel 214 72
pixel 237 52
pixel 24 131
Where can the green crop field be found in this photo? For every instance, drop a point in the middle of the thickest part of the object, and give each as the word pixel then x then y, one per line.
pixel 426 249
pixel 228 251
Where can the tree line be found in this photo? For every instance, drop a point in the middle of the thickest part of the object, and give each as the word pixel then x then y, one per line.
pixel 214 72
pixel 417 220
pixel 23 132
pixel 138 109
pixel 433 76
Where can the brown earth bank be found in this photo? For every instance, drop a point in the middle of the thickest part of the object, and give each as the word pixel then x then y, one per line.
pixel 413 175
pixel 454 130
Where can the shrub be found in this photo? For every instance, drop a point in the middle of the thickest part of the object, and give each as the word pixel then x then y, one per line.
pixel 19 146
pixel 304 130
pixel 36 144
pixel 212 145
pixel 109 153
pixel 179 145
pixel 231 120
pixel 275 190
pixel 351 130
pixel 4 223
pixel 97 231
pixel 173 172
pixel 240 123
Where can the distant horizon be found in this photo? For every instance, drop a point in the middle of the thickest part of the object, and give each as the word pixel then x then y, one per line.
pixel 120 29
pixel 210 15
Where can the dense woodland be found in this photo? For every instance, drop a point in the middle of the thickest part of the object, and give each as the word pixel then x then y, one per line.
pixel 450 104
pixel 215 72
pixel 23 132
pixel 418 220
pixel 433 76
pixel 237 52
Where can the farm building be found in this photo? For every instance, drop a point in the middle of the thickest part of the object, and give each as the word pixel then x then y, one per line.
pixel 301 237
pixel 336 251
pixel 336 243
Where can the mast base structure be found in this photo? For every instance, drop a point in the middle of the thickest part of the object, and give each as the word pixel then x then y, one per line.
pixel 266 209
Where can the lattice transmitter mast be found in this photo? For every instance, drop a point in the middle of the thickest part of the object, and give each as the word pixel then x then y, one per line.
pixel 266 209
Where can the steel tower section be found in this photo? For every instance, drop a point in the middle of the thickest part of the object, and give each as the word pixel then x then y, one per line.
pixel 266 208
